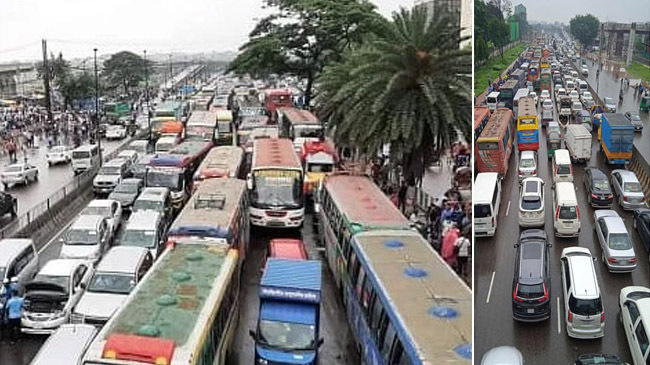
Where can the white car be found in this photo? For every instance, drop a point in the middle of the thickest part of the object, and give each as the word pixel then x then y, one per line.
pixel 58 154
pixel 634 303
pixel 574 95
pixel 55 290
pixel 534 95
pixel 585 71
pixel 587 99
pixel 545 94
pixel 107 208
pixel 115 132
pixel 19 173
pixel 527 165
pixel 531 202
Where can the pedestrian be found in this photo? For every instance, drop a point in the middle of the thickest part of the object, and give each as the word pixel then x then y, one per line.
pixel 401 195
pixel 463 248
pixel 14 313
pixel 641 89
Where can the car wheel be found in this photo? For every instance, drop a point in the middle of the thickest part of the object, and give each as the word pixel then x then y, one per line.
pixel 36 176
pixel 6 186
pixel 49 163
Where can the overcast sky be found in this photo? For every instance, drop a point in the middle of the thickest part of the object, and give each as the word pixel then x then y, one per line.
pixel 622 11
pixel 75 27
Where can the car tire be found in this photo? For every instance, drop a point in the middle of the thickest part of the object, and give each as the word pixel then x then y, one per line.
pixel 49 163
pixel 6 186
pixel 36 177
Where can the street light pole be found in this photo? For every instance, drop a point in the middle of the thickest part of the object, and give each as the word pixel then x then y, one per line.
pixel 97 138
pixel 600 57
pixel 146 90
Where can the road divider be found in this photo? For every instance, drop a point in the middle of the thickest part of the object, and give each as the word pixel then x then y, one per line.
pixel 641 169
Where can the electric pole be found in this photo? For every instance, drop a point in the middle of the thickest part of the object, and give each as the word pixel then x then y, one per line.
pixel 97 136
pixel 146 90
pixel 46 81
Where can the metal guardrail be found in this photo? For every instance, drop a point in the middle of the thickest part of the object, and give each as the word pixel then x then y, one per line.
pixel 70 190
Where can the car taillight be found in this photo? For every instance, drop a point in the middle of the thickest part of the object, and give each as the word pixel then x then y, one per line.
pixel 557 213
pixel 571 169
pixel 578 211
pixel 594 196
pixel 642 199
pixel 610 196
pixel 545 297
pixel 570 317
pixel 612 260
pixel 514 294
pixel 624 198
pixel 535 172
pixel 602 317
pixel 556 166
pixel 521 173
pixel 492 221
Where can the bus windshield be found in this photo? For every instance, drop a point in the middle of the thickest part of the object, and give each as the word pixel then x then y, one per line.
pixel 170 180
pixel 273 188
pixel 307 131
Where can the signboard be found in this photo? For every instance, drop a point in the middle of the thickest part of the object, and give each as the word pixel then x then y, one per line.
pixel 292 294
pixel 290 174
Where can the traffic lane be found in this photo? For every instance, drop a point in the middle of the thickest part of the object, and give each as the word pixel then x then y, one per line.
pixel 50 179
pixel 338 347
pixel 496 259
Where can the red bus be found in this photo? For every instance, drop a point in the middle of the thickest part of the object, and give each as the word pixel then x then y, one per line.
pixel 494 145
pixel 277 98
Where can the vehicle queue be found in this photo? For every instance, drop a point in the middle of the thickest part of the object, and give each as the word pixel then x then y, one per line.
pixel 150 270
pixel 589 134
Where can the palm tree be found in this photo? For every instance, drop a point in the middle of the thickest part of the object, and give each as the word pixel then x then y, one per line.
pixel 409 86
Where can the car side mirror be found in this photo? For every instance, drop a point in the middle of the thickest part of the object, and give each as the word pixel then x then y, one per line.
pixel 320 343
pixel 82 286
pixel 249 182
pixel 549 245
pixel 516 245
pixel 252 334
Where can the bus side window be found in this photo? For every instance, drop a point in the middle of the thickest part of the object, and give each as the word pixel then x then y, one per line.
pixel 360 283
pixel 387 342
pixel 398 357
pixel 353 269
pixel 365 297
pixel 376 312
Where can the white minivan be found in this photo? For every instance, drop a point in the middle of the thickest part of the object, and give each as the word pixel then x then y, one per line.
pixel 562 169
pixel 486 200
pixel 566 213
pixel 84 158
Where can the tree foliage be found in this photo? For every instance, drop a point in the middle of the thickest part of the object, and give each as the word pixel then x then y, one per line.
pixel 58 68
pixel 408 86
pixel 124 70
pixel 490 27
pixel 584 28
pixel 303 36
pixel 77 87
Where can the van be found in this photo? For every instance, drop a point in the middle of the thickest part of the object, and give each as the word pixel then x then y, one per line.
pixel 492 100
pixel 87 238
pixel 566 213
pixel 562 168
pixel 584 313
pixel 66 346
pixel 570 86
pixel 582 86
pixel 145 229
pixel 486 200
pixel 116 275
pixel 18 259
pixel 141 146
pixel 165 144
pixel 84 158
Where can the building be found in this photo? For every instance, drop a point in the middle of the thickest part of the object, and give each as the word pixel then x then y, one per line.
pixel 459 11
pixel 520 10
pixel 19 79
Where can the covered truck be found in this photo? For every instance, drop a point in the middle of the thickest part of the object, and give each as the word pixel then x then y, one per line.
pixel 578 142
pixel 289 318
pixel 616 135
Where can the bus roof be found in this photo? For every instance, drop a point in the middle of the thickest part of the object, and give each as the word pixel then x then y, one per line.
pixel 479 114
pixel 212 210
pixel 190 148
pixel 527 107
pixel 222 161
pixel 496 126
pixel 274 153
pixel 510 84
pixel 298 116
pixel 202 117
pixel 172 303
pixel 483 188
pixel 363 203
pixel 427 302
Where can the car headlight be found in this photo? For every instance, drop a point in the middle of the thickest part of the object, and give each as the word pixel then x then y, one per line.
pixel 262 362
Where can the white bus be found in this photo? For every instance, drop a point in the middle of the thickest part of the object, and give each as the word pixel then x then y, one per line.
pixel 184 311
pixel 275 185
pixel 202 126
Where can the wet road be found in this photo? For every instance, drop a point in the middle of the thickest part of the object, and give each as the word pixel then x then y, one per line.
pixel 547 342
pixel 337 349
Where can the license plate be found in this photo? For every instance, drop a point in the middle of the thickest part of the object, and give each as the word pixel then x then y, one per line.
pixel 567 222
pixel 622 262
pixel 530 310
pixel 276 224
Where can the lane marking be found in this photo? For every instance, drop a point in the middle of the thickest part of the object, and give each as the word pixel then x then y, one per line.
pixel 508 209
pixel 559 323
pixel 490 289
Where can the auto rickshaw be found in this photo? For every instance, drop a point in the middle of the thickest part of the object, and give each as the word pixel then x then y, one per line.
pixel 553 142
pixel 645 104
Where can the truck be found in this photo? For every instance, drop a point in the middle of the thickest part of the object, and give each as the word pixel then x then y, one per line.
pixel 616 136
pixel 578 142
pixel 565 110
pixel 289 317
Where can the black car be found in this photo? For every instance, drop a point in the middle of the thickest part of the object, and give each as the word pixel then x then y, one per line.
pixel 599 192
pixel 8 204
pixel 600 359
pixel 531 285
pixel 642 226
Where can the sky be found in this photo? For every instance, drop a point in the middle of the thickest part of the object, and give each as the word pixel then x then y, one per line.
pixel 621 11
pixel 75 27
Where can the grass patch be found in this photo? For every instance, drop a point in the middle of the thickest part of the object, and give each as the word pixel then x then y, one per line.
pixel 640 71
pixel 494 67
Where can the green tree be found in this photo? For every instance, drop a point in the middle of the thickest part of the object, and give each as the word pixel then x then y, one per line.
pixel 58 67
pixel 585 29
pixel 124 70
pixel 409 86
pixel 303 36
pixel 73 87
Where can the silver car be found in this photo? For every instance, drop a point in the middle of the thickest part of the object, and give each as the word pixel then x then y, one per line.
pixel 615 242
pixel 527 165
pixel 19 173
pixel 610 105
pixel 628 189
pixel 531 203
pixel 503 355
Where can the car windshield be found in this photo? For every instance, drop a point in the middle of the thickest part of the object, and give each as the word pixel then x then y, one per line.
pixel 139 238
pixel 531 203
pixel 81 237
pixel 110 170
pixel 530 291
pixel 58 149
pixel 568 212
pixel 609 101
pixel 102 211
pixel 126 188
pixel 482 211
pixel 632 187
pixel 14 169
pixel 287 336
pixel 527 163
pixel 80 154
pixel 111 283
pixel 62 281
pixel 563 170
pixel 144 204
pixel 635 117
pixel 601 185
pixel 320 167
pixel 620 241
pixel 585 307
pixel 310 131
